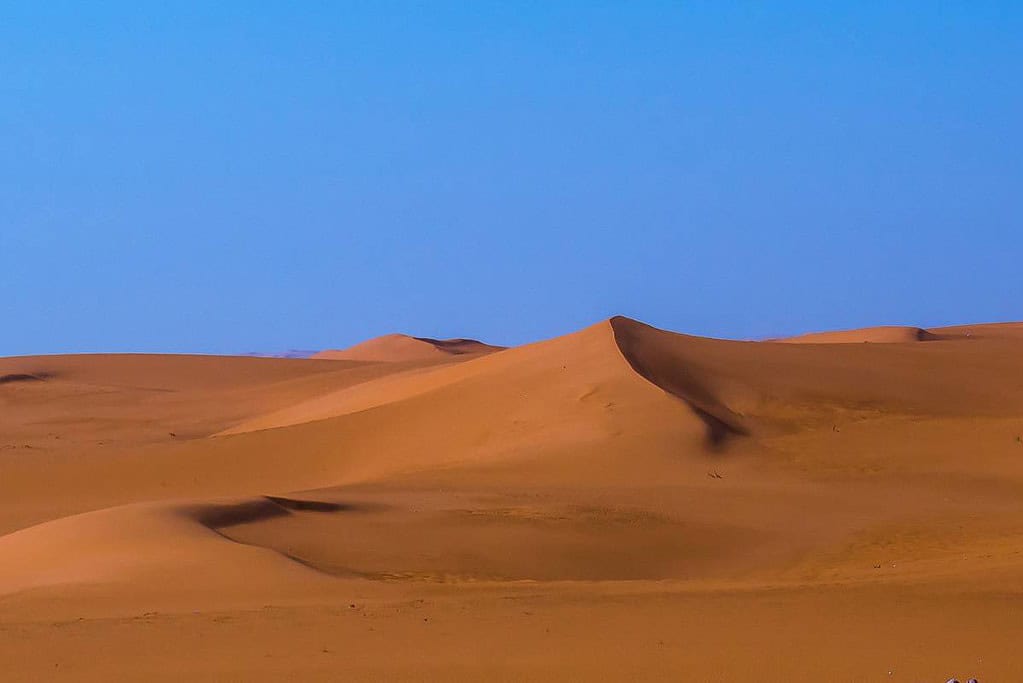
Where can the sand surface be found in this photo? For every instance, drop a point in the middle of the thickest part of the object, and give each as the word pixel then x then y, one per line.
pixel 402 347
pixel 621 503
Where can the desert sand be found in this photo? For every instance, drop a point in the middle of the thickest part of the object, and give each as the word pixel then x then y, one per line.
pixel 403 347
pixel 620 503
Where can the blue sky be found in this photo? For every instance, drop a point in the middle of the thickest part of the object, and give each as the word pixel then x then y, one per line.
pixel 238 176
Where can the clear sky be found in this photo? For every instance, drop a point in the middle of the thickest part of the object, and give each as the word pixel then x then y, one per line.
pixel 241 176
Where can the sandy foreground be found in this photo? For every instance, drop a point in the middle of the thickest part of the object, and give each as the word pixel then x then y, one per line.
pixel 622 503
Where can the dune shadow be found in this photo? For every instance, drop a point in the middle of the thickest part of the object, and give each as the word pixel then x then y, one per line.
pixel 24 377
pixel 315 505
pixel 653 356
pixel 719 432
pixel 459 347
pixel 221 515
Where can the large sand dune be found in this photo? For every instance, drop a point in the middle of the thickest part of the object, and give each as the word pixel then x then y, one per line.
pixel 619 503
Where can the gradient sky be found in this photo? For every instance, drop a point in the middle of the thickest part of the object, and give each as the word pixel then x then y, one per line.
pixel 240 176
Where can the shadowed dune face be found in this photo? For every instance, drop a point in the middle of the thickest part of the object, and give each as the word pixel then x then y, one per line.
pixel 661 360
pixel 15 377
pixel 459 347
pixel 18 377
pixel 577 473
pixel 772 381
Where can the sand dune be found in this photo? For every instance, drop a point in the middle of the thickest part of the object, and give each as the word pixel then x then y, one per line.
pixel 688 490
pixel 145 548
pixel 563 385
pixel 1012 331
pixel 872 335
pixel 895 334
pixel 402 347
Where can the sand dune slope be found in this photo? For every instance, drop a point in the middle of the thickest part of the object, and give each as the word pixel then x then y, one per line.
pixel 502 509
pixel 565 395
pixel 92 431
pixel 147 548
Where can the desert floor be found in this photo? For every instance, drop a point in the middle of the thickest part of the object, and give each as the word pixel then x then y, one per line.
pixel 621 503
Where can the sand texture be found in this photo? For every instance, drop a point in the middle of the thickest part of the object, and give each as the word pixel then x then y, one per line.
pixel 620 503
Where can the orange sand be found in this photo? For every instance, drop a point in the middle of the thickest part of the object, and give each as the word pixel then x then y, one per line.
pixel 621 503
pixel 401 347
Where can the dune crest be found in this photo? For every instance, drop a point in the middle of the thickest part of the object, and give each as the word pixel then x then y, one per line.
pixel 402 347
pixel 660 359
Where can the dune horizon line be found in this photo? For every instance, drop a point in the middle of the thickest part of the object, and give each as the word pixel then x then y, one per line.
pixel 397 346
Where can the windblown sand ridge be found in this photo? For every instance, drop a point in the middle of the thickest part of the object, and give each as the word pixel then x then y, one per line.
pixel 691 490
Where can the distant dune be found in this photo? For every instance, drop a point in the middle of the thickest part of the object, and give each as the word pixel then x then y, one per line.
pixel 619 503
pixel 895 334
pixel 290 353
pixel 1012 331
pixel 873 335
pixel 401 347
